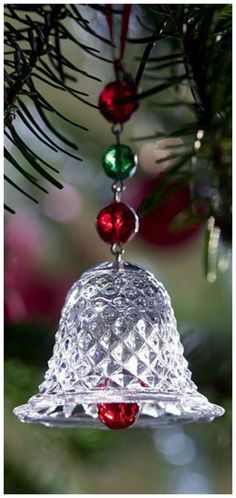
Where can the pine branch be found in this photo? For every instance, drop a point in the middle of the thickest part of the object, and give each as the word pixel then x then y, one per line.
pixel 34 37
pixel 38 49
pixel 201 39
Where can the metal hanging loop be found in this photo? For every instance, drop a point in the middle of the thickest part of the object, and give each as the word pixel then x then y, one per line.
pixel 118 252
pixel 118 188
pixel 117 129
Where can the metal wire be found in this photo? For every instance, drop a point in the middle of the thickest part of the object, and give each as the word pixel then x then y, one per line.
pixel 118 188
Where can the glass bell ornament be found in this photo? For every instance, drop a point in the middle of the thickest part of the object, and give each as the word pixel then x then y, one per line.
pixel 117 360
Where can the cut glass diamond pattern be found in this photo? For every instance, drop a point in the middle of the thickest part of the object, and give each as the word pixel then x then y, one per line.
pixel 117 342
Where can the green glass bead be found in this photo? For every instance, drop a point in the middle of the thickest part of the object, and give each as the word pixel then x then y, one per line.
pixel 119 162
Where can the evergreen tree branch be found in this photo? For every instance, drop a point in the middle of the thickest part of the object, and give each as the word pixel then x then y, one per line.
pixel 34 37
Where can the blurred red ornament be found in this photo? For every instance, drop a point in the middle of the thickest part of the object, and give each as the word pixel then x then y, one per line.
pixel 41 298
pixel 157 225
pixel 117 223
pixel 28 292
pixel 118 415
pixel 110 96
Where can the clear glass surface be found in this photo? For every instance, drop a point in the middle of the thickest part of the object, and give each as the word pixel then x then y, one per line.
pixel 117 341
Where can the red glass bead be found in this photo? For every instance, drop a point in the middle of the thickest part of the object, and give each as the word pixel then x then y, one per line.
pixel 108 103
pixel 118 415
pixel 117 223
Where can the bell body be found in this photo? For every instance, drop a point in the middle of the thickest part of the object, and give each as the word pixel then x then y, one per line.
pixel 117 342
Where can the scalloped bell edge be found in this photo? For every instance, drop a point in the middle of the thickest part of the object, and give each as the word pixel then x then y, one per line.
pixel 80 409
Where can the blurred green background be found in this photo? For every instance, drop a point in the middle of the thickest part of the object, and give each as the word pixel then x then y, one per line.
pixel 47 248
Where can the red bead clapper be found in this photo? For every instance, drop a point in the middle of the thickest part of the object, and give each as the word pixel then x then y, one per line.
pixel 117 223
pixel 118 415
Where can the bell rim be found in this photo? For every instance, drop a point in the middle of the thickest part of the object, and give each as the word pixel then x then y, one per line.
pixel 143 422
pixel 113 395
pixel 183 409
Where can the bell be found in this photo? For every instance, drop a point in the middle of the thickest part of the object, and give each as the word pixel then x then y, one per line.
pixel 117 360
